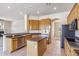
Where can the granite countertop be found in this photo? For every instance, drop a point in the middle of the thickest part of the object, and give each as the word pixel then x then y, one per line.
pixel 74 45
pixel 20 34
pixel 38 38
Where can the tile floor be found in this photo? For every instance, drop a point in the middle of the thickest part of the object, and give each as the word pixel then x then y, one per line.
pixel 53 49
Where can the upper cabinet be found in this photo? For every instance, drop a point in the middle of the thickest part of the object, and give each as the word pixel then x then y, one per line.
pixel 33 24
pixel 77 6
pixel 45 22
pixel 74 14
pixel 37 24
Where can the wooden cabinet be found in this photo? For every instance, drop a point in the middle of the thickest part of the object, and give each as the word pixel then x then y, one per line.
pixel 67 48
pixel 74 14
pixel 13 43
pixel 78 15
pixel 16 43
pixel 28 37
pixel 45 22
pixel 42 46
pixel 34 24
pixel 37 24
pixel 77 6
pixel 69 51
pixel 34 36
pixel 21 42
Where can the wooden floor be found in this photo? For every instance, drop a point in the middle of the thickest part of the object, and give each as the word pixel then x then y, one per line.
pixel 53 49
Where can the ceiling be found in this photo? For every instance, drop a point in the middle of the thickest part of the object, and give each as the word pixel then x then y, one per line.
pixel 17 10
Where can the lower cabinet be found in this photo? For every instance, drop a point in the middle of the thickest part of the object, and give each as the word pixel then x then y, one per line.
pixel 69 51
pixel 42 46
pixel 16 43
pixel 21 42
pixel 13 44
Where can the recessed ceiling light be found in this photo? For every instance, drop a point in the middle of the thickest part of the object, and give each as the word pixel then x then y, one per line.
pixel 9 7
pixel 38 12
pixel 54 8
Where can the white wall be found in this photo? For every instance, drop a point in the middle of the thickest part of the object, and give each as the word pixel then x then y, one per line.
pixel 7 26
pixel 34 17
pixel 19 26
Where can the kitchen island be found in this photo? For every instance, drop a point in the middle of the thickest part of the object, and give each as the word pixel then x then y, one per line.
pixel 36 46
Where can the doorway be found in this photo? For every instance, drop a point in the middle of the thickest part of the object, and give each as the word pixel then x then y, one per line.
pixel 56 29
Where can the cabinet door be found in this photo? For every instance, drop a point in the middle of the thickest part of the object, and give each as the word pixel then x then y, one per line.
pixel 42 46
pixel 73 14
pixel 77 11
pixel 78 15
pixel 12 44
pixel 21 42
pixel 45 22
pixel 34 24
pixel 69 19
pixel 67 48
